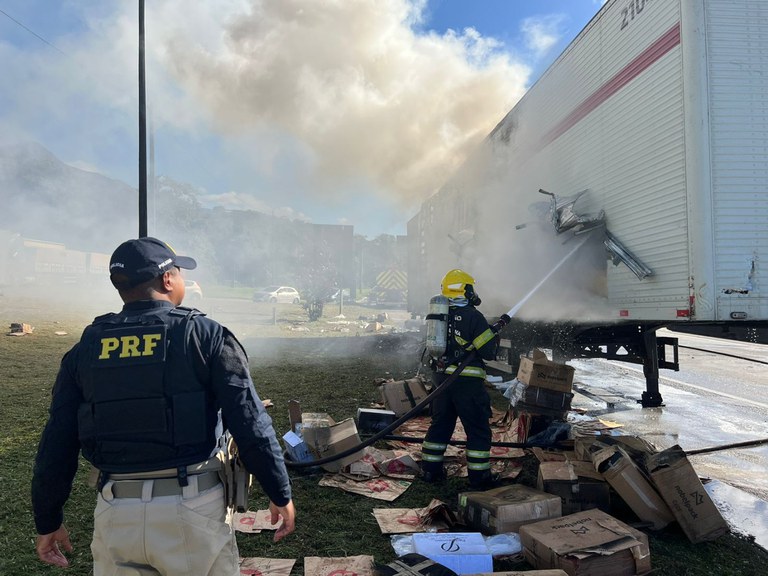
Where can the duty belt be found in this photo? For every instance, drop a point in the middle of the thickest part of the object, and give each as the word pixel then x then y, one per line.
pixel 153 487
pixel 197 478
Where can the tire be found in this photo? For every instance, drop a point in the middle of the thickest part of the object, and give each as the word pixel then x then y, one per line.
pixel 295 300
pixel 273 300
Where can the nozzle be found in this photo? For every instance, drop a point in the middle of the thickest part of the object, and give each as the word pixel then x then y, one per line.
pixel 503 320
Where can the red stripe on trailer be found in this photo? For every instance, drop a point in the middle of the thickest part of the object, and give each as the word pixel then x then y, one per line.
pixel 655 51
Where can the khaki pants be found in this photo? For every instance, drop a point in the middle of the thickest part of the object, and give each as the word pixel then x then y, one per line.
pixel 166 535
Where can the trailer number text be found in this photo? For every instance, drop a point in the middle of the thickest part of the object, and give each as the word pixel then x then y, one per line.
pixel 630 12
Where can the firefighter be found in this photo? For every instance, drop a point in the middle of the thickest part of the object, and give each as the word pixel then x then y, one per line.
pixel 467 397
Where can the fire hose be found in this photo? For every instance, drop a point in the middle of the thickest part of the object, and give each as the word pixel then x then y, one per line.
pixel 384 433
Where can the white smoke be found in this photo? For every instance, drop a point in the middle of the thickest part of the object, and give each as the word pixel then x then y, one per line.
pixel 354 83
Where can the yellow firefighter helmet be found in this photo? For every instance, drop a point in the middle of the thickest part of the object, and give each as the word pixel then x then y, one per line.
pixel 455 282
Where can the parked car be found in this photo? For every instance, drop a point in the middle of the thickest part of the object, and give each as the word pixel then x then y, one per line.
pixel 193 290
pixel 277 294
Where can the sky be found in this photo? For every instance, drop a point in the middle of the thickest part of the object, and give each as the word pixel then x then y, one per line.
pixel 326 111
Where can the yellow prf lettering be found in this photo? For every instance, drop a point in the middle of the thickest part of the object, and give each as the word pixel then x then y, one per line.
pixel 129 346
pixel 108 345
pixel 150 341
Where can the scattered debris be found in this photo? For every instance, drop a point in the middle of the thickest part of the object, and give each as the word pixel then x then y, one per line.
pixel 253 522
pixel 20 329
pixel 437 516
pixel 348 566
pixel 266 566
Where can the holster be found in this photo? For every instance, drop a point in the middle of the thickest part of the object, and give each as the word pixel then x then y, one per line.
pixel 236 479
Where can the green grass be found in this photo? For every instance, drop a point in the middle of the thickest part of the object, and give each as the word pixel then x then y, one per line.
pixel 336 379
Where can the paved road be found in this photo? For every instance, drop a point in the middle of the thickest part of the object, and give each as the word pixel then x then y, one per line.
pixel 712 401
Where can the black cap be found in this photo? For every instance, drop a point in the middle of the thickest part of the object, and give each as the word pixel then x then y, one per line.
pixel 142 259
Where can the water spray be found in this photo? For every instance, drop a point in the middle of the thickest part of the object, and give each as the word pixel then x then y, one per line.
pixel 503 320
pixel 516 308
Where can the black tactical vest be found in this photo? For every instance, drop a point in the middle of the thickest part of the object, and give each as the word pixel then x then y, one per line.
pixel 145 403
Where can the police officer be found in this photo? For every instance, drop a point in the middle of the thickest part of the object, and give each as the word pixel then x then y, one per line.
pixel 146 396
pixel 466 398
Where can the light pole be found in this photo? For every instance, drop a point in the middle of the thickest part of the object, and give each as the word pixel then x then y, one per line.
pixel 142 129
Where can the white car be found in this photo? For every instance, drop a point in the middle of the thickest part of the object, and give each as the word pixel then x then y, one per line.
pixel 277 294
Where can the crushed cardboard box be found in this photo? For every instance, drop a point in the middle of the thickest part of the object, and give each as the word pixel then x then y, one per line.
pixel 435 517
pixel 326 441
pixel 539 371
pixel 266 566
pixel 633 486
pixel 324 436
pixel 348 565
pixel 413 564
pixel 387 489
pixel 253 522
pixel 680 487
pixel 403 395
pixel 588 543
pixel 507 508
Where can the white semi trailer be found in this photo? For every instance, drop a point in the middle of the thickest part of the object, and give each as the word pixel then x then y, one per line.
pixel 649 135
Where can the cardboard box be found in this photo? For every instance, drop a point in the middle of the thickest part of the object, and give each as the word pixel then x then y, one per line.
pixel 327 440
pixel 682 490
pixel 507 508
pixel 371 420
pixel 633 486
pixel 637 448
pixel 526 573
pixel 530 396
pixel 542 372
pixel 402 395
pixel 462 552
pixel 297 449
pixel 588 543
pixel 578 484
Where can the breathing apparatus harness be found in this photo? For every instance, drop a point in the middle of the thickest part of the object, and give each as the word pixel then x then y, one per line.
pixel 437 391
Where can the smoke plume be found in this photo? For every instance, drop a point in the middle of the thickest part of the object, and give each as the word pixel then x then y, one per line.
pixel 354 82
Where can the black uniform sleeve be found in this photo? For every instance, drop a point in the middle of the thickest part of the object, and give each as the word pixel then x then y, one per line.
pixel 484 336
pixel 57 454
pixel 248 421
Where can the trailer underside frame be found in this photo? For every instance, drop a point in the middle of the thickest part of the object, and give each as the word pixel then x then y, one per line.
pixel 636 343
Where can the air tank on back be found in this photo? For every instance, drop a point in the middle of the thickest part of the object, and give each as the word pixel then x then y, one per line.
pixel 437 326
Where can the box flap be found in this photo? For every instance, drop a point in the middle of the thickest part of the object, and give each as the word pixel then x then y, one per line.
pixel 557 471
pixel 588 532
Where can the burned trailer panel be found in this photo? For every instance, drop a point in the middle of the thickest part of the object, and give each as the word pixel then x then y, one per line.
pixel 654 122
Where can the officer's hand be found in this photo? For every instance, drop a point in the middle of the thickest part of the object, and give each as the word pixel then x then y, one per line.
pixel 48 550
pixel 288 513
